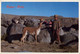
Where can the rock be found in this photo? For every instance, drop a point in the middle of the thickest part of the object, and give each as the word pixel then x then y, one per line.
pixel 31 38
pixel 72 30
pixel 61 32
pixel 68 39
pixel 16 29
pixel 31 22
pixel 15 41
pixel 14 47
pixel 21 22
pixel 22 18
pixel 3 32
pixel 15 19
pixel 44 36
pixel 76 34
pixel 15 32
pixel 5 21
pixel 35 21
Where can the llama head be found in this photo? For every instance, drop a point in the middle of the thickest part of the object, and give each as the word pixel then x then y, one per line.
pixel 40 24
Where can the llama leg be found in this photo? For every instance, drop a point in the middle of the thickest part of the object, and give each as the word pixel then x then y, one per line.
pixel 24 36
pixel 36 37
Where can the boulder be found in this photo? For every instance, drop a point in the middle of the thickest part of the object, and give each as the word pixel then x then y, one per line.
pixel 68 39
pixel 44 36
pixel 61 32
pixel 35 21
pixel 3 32
pixel 75 34
pixel 15 32
pixel 28 23
pixel 16 29
pixel 5 23
pixel 21 22
pixel 72 30
pixel 31 22
pixel 15 19
pixel 30 38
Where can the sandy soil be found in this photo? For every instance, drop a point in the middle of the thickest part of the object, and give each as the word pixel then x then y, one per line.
pixel 18 46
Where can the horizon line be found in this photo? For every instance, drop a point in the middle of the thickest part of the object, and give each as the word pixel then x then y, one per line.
pixel 40 16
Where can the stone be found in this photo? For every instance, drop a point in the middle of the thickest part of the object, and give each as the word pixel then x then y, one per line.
pixel 16 29
pixel 72 30
pixel 30 38
pixel 44 36
pixel 68 39
pixel 15 33
pixel 31 22
pixel 3 30
pixel 61 32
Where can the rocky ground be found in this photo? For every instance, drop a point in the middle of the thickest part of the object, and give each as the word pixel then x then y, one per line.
pixel 17 46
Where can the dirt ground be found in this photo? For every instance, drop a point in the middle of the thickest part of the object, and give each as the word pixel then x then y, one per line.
pixel 18 46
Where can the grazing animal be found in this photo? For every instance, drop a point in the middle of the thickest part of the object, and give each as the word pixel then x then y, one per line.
pixel 31 30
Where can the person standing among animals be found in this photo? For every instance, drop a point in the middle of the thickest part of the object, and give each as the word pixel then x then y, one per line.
pixel 56 28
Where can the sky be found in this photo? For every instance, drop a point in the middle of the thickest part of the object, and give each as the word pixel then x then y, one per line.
pixel 66 9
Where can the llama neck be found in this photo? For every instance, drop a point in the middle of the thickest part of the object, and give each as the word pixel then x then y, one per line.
pixel 40 25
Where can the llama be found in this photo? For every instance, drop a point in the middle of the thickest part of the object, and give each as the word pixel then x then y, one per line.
pixel 31 30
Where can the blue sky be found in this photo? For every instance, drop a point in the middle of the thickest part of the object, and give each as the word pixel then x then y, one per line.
pixel 66 9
